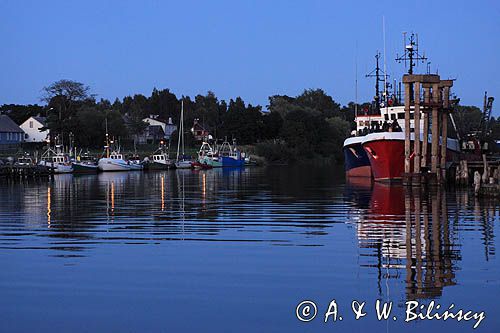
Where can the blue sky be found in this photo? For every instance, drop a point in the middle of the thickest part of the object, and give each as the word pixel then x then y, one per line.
pixel 251 49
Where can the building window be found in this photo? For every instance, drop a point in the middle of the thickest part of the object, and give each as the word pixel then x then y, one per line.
pixel 31 123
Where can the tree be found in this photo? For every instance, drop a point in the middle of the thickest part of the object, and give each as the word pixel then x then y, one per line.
pixel 64 97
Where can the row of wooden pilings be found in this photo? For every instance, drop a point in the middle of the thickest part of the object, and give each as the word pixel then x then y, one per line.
pixel 435 107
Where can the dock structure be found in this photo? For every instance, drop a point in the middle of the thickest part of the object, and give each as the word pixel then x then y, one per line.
pixel 435 108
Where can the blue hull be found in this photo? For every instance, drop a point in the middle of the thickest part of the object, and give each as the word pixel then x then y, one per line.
pixel 356 160
pixel 232 162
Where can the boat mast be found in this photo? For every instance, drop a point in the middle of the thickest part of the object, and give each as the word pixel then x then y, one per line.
pixel 411 56
pixel 107 138
pixel 181 131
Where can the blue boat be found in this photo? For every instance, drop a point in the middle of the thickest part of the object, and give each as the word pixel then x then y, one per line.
pixel 230 155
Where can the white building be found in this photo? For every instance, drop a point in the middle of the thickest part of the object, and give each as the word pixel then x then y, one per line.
pixel 168 127
pixel 31 128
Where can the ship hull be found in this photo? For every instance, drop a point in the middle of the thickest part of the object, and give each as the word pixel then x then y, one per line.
pixel 108 164
pixel 356 161
pixel 232 162
pixel 84 168
pixel 386 152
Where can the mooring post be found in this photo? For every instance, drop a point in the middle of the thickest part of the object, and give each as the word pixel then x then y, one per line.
pixel 435 128
pixel 407 127
pixel 416 119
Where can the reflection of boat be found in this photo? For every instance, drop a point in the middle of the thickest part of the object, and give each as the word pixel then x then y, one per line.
pixel 182 162
pixel 56 160
pixel 230 155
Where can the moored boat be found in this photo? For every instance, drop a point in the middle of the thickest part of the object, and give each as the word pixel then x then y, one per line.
pixel 230 155
pixel 160 159
pixel 56 160
pixel 208 156
pixel 114 160
pixel 182 161
pixel 85 163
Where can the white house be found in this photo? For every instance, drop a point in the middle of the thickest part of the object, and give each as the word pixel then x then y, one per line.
pixel 167 127
pixel 31 128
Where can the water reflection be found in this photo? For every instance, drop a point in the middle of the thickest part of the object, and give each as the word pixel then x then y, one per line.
pixel 403 234
pixel 411 234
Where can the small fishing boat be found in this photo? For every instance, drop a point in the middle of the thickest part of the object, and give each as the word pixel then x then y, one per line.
pixel 85 163
pixel 114 160
pixel 182 161
pixel 160 159
pixel 202 166
pixel 24 161
pixel 231 156
pixel 208 156
pixel 56 160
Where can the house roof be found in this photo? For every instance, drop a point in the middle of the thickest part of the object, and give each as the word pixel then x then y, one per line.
pixel 40 119
pixel 155 130
pixel 8 125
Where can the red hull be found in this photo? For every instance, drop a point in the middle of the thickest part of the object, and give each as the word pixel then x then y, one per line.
pixel 387 159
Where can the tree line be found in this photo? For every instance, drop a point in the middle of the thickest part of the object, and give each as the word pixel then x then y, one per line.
pixel 308 126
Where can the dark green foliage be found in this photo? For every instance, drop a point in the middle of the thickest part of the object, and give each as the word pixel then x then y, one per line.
pixel 20 113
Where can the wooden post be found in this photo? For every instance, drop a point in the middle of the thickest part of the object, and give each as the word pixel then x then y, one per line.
pixel 416 119
pixel 407 128
pixel 425 142
pixel 444 129
pixel 435 128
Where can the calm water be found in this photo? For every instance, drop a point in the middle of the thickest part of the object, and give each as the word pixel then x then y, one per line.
pixel 232 250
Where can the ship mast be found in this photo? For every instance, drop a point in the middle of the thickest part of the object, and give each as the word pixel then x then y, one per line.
pixel 411 57
pixel 376 74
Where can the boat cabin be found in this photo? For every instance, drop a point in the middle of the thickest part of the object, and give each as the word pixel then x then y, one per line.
pixel 390 119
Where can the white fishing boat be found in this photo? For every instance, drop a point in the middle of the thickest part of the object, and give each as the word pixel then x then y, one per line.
pixel 56 160
pixel 114 160
pixel 182 161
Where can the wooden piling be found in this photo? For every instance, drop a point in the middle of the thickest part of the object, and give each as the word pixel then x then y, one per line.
pixel 407 128
pixel 416 119
pixel 435 128
pixel 425 134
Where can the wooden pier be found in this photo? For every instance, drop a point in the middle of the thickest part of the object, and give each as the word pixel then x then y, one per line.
pixel 436 108
pixel 24 171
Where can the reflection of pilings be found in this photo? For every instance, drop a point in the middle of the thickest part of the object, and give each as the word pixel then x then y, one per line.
pixel 409 256
pixel 418 240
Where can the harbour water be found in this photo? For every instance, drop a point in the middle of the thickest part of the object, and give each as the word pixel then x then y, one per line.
pixel 237 250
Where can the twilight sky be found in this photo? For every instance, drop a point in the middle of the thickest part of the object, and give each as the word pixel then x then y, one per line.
pixel 251 49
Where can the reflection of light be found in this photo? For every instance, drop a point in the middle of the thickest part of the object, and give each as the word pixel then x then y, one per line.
pixel 49 210
pixel 204 187
pixel 162 193
pixel 112 196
